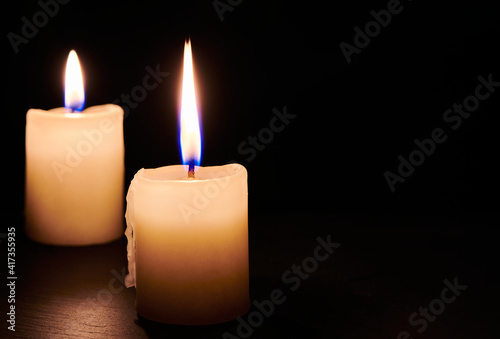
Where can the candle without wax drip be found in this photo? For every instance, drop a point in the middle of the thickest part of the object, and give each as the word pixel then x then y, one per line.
pixel 74 169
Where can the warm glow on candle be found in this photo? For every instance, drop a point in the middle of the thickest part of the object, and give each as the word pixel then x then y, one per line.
pixel 187 238
pixel 190 138
pixel 74 95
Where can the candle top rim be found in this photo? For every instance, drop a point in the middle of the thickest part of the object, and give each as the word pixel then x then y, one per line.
pixel 177 173
pixel 63 112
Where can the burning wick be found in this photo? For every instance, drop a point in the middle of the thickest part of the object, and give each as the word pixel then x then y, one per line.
pixel 191 169
pixel 190 141
pixel 74 94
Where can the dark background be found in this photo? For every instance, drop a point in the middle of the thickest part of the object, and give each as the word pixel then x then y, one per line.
pixel 324 172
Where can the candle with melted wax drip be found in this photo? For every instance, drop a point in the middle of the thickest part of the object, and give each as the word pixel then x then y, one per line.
pixel 74 169
pixel 188 237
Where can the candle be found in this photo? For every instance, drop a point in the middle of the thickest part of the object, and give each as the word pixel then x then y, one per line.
pixel 187 230
pixel 74 169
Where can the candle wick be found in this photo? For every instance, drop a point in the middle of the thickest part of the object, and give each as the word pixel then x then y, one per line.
pixel 191 169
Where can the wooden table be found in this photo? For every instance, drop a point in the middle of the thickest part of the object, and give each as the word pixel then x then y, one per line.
pixel 385 269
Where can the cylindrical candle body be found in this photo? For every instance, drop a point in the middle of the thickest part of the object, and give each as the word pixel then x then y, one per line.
pixel 74 175
pixel 190 242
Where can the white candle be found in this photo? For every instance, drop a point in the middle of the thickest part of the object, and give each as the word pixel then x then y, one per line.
pixel 74 171
pixel 188 244
pixel 187 230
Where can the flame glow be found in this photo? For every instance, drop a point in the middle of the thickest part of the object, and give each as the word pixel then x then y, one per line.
pixel 74 95
pixel 190 138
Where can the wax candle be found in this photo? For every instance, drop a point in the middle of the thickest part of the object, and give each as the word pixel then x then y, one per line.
pixel 190 243
pixel 74 169
pixel 187 230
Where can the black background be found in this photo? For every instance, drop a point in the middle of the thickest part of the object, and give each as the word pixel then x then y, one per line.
pixel 352 119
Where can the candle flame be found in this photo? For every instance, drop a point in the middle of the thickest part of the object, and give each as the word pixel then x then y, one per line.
pixel 190 136
pixel 74 95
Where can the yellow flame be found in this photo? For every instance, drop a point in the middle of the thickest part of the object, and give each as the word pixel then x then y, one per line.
pixel 74 95
pixel 190 138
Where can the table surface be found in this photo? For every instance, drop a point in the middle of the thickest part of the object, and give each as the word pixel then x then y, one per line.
pixel 385 270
